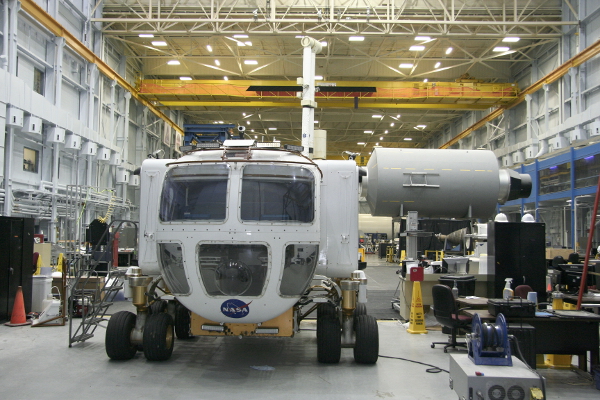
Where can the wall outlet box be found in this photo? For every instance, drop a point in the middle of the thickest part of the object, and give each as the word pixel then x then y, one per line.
pixel 73 142
pixel 14 117
pixel 134 180
pixel 89 149
pixel 115 158
pixel 55 135
pixel 122 176
pixel 518 157
pixel 103 154
pixel 578 134
pixel 531 151
pixel 560 142
pixel 32 124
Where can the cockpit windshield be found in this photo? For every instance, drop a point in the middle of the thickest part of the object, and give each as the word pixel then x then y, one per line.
pixel 195 192
pixel 277 193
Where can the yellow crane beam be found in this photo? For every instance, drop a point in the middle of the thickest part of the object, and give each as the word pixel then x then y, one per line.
pixel 328 104
pixel 458 95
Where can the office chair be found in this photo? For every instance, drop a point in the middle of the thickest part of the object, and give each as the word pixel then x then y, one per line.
pixel 446 313
pixel 522 290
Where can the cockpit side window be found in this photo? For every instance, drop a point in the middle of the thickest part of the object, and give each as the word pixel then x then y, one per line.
pixel 195 192
pixel 277 193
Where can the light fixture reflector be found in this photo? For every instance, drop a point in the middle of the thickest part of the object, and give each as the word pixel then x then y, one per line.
pixel 356 38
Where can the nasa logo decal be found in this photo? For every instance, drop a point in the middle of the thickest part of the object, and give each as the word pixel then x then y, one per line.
pixel 234 308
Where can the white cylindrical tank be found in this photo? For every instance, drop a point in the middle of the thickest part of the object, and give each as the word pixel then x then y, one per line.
pixel 439 183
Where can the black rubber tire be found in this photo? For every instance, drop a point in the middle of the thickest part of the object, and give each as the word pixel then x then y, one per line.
pixel 366 347
pixel 158 337
pixel 361 309
pixel 118 336
pixel 183 322
pixel 329 340
pixel 158 306
pixel 326 310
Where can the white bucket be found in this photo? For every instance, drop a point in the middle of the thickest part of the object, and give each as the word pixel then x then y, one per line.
pixel 42 286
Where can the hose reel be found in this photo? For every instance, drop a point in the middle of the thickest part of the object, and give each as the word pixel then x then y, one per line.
pixel 488 343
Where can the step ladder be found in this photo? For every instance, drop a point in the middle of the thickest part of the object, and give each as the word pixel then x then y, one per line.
pixel 91 297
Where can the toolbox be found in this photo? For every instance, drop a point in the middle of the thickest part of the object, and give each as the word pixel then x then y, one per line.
pixel 514 308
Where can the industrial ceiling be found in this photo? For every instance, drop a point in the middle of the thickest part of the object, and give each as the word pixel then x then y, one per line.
pixel 390 93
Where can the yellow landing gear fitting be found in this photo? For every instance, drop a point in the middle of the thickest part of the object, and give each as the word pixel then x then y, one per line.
pixel 345 323
pixel 153 329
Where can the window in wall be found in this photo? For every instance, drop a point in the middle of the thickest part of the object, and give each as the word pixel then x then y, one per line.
pixel 30 160
pixel 586 171
pixel 38 81
pixel 555 179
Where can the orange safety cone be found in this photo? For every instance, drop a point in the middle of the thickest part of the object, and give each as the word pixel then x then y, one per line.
pixel 18 317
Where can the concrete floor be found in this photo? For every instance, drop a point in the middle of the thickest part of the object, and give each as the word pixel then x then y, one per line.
pixel 36 363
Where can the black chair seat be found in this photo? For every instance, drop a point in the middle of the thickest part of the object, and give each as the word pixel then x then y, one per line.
pixel 447 314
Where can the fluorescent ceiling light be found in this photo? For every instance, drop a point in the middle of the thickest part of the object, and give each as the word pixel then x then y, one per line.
pixel 173 62
pixel 324 44
pixel 361 143
pixel 185 78
pixel 376 116
pixel 398 116
pixel 209 48
pixel 407 138
pixel 510 39
pixel 247 122
pixel 501 49
pixel 380 137
pixel 217 63
pixel 240 36
pixel 299 37
pixel 225 78
pixel 220 122
pixel 248 43
pixel 437 65
pixel 377 144
pixel 356 38
pixel 420 38
pixel 449 50
pixel 159 43
pixel 392 124
pixel 386 132
pixel 316 122
pixel 425 80
pixel 406 65
pixel 368 131
pixel 244 114
pixel 240 44
pixel 420 126
pixel 255 137
pixel 417 48
pixel 318 78
pixel 146 35
pixel 250 62
pixel 272 129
